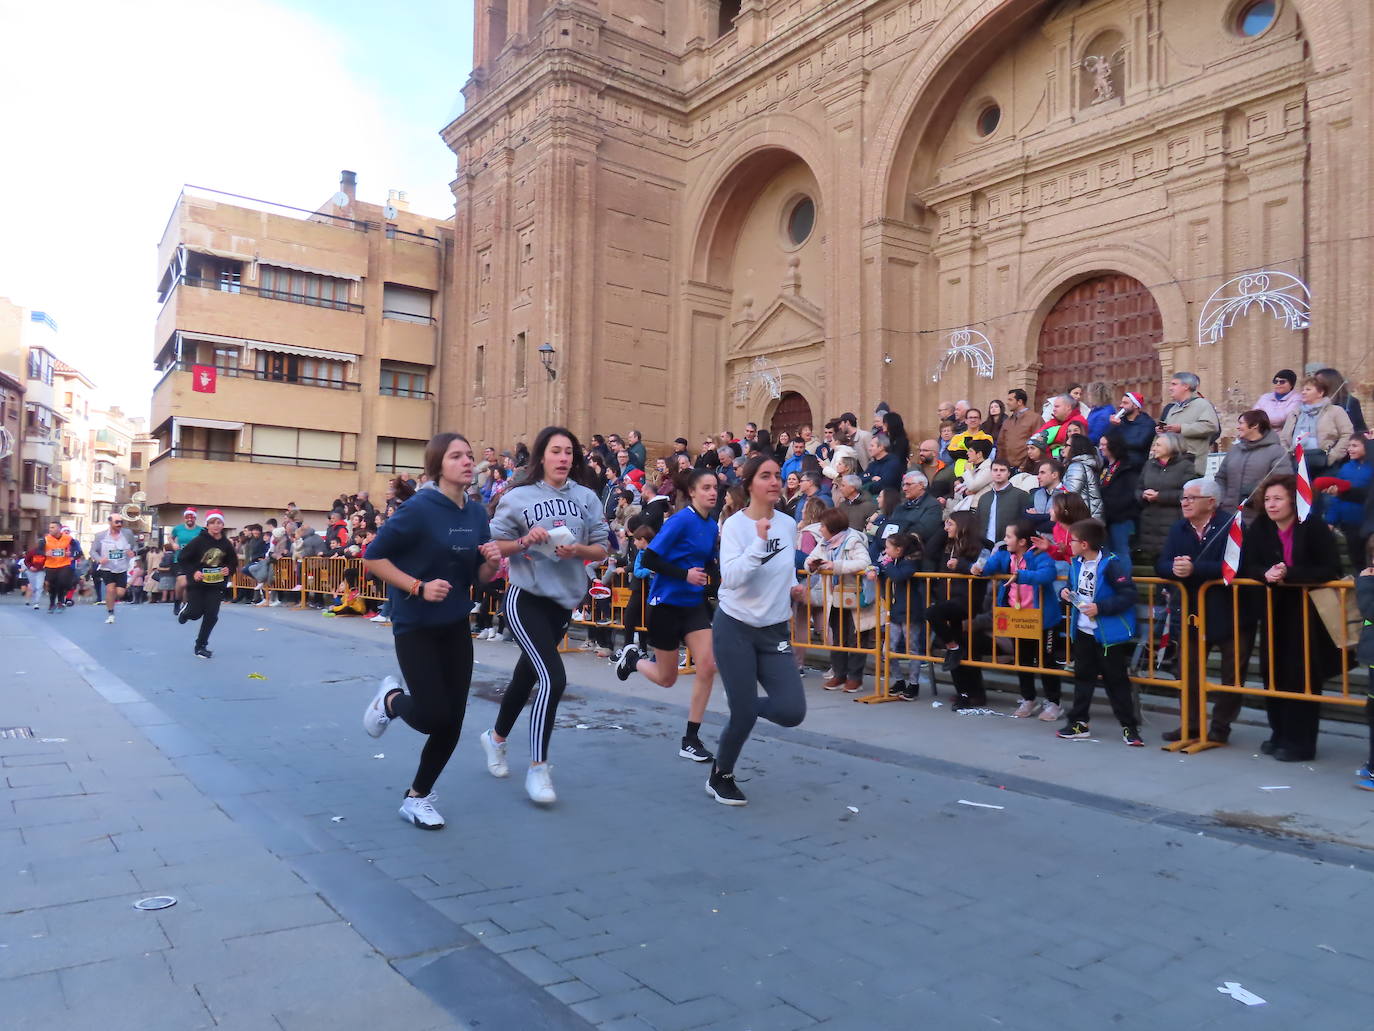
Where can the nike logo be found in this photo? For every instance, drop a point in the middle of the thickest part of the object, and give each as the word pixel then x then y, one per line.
pixel 769 557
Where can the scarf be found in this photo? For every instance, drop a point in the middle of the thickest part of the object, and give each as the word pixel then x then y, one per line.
pixel 1305 427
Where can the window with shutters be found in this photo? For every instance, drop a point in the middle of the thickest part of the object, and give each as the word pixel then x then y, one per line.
pixel 284 284
pixel 399 455
pixel 402 380
pixel 285 445
pixel 407 304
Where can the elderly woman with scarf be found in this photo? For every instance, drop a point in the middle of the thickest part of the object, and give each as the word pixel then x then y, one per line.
pixel 1321 427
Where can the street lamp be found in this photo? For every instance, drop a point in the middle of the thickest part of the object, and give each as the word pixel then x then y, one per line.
pixel 546 353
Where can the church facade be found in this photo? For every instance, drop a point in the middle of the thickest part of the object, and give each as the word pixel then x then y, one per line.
pixel 714 211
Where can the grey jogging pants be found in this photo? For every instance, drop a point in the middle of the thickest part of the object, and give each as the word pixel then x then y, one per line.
pixel 749 657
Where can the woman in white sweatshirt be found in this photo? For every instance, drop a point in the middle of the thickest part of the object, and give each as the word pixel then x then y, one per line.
pixel 750 633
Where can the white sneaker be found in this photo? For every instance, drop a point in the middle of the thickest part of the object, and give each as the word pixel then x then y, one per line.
pixel 496 755
pixel 1026 709
pixel 539 785
pixel 1052 712
pixel 297 587
pixel 476 606
pixel 109 618
pixel 378 618
pixel 421 812
pixel 375 719
pixel 275 603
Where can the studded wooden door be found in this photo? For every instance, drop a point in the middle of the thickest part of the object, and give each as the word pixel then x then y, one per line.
pixel 1108 328
pixel 792 414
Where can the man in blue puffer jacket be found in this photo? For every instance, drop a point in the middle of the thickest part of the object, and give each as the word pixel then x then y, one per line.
pixel 1104 630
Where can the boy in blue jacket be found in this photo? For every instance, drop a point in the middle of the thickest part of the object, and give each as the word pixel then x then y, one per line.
pixel 1104 596
pixel 1031 587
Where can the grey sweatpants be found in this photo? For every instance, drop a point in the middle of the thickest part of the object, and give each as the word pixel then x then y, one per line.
pixel 749 657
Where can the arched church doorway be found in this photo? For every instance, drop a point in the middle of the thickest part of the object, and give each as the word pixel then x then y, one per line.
pixel 1107 328
pixel 793 412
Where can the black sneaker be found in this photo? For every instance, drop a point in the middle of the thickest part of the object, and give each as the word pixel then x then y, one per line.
pixel 203 651
pixel 182 617
pixel 625 665
pixel 1131 736
pixel 899 690
pixel 1074 731
pixel 693 749
pixel 722 787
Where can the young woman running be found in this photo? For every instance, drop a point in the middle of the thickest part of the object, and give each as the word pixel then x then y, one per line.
pixel 680 556
pixel 758 584
pixel 431 553
pixel 548 526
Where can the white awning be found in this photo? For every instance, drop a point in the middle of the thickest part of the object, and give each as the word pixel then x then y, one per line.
pixel 208 424
pixel 331 273
pixel 304 352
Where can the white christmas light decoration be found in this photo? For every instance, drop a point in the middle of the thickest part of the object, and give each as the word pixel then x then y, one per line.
pixel 1283 296
pixel 970 345
pixel 762 372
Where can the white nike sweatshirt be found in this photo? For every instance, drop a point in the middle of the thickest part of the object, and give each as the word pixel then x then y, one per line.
pixel 757 576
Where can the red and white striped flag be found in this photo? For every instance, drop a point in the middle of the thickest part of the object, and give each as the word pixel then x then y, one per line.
pixel 1304 486
pixel 1230 558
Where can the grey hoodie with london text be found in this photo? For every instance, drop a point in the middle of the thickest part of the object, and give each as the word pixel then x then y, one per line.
pixel 538 504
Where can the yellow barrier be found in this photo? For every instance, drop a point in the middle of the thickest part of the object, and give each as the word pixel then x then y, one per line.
pixel 838 599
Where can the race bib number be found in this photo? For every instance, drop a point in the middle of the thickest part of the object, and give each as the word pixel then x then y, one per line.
pixel 115 556
pixel 57 553
pixel 211 576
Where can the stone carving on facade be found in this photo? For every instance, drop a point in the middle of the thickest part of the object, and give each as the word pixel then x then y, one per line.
pixel 1283 296
pixel 1099 68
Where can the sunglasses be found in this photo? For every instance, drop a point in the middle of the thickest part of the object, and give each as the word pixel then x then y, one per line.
pixel 1278 381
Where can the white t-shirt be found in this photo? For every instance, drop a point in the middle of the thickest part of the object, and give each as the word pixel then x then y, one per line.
pixel 757 576
pixel 1086 591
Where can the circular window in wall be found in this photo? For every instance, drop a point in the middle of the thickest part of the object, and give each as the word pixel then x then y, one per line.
pixel 989 118
pixel 801 220
pixel 1253 18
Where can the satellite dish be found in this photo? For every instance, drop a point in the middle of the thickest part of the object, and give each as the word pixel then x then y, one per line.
pixel 341 199
pixel 389 211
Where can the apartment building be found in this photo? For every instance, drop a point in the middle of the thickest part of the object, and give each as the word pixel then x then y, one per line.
pixel 40 445
pixel 112 443
pixel 12 371
pixel 297 350
pixel 73 393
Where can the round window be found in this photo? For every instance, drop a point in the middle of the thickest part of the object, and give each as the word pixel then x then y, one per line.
pixel 988 120
pixel 1255 17
pixel 800 221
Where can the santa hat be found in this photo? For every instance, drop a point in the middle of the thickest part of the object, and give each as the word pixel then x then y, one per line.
pixel 1135 399
pixel 190 512
pixel 636 476
pixel 214 513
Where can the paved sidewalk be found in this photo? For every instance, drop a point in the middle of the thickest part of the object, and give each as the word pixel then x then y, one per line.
pixel 638 903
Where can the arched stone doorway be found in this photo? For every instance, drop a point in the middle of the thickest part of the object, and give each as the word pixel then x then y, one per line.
pixel 793 412
pixel 1106 328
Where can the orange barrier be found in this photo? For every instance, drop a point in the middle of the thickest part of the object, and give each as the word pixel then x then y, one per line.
pixel 838 599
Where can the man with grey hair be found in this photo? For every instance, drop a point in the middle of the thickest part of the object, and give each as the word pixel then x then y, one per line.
pixel 1192 556
pixel 853 502
pixel 884 469
pixel 1192 417
pixel 919 514
pixel 961 408
pixel 725 454
pixel 814 485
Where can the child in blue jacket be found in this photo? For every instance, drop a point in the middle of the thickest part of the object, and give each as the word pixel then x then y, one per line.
pixel 1031 587
pixel 906 625
pixel 1104 597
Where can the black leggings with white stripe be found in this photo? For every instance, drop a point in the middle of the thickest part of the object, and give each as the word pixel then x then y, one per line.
pixel 539 624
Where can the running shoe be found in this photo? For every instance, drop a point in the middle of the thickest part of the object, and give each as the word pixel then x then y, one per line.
pixel 1026 709
pixel 693 749
pixel 1364 778
pixel 722 787
pixel 203 652
pixel 378 618
pixel 629 658
pixel 539 785
pixel 496 755
pixel 109 618
pixel 1053 712
pixel 682 659
pixel 375 719
pixel 1131 736
pixel 275 603
pixel 898 690
pixel 421 812
pixel 1074 731
pixel 604 621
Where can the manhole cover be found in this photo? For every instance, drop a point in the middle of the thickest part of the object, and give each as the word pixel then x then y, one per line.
pixel 13 732
pixel 156 902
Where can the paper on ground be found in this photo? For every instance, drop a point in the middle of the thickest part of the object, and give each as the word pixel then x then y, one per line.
pixel 980 805
pixel 1235 991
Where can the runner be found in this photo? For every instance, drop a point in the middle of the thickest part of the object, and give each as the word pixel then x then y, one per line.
pixel 112 551
pixel 58 548
pixel 681 555
pixel 548 525
pixel 183 534
pixel 206 565
pixel 428 553
pixel 750 633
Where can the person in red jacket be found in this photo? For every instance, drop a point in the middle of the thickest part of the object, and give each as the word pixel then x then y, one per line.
pixel 1063 411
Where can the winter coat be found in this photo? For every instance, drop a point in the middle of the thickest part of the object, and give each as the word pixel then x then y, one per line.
pixel 848 556
pixel 1080 477
pixel 1011 439
pixel 1279 409
pixel 1119 501
pixel 1115 595
pixel 1206 552
pixel 977 481
pixel 1040 571
pixel 1012 503
pixel 1246 464
pixel 922 517
pixel 1333 431
pixel 1346 510
pixel 1099 422
pixel 1198 424
pixel 1157 516
pixel 1364 596
pixel 1137 434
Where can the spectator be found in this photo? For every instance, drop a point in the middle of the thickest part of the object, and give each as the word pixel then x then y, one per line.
pixel 1036 452
pixel 1256 453
pixel 976 474
pixel 806 613
pixel 762 444
pixel 1063 412
pixel 1066 510
pixel 1338 387
pixel 809 439
pixel 917 515
pixel 782 447
pixel 1120 506
pixel 1281 403
pixel 848 426
pixel 521 458
pixel 1050 482
pixel 793 462
pixel 1137 428
pixel 824 450
pixel 947 430
pixel 1001 504
pixel 1319 425
pixel 1100 409
pixel 973 430
pixel 1192 555
pixel 853 502
pixel 1080 473
pixel 901 559
pixel 1285 554
pixel 844 555
pixel 1161 486
pixel 995 419
pixel 960 412
pixel 725 455
pixel 791 492
pixel 884 468
pixel 1192 417
pixel 1345 507
pixel 953 599
pixel 1016 430
pixel 899 444
pixel 944 412
pixel 813 485
pixel 365 506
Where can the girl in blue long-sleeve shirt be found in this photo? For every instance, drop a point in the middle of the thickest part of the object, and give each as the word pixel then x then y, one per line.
pixel 906 629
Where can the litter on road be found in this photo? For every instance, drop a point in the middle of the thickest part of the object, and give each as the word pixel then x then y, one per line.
pixel 1235 991
pixel 256 676
pixel 1275 787
pixel 336 819
pixel 980 805
pixel 852 808
pixel 380 755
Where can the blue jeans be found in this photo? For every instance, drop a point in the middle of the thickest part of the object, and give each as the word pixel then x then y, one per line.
pixel 1119 537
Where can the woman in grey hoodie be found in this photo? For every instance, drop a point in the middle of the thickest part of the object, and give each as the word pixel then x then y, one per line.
pixel 1256 453
pixel 549 526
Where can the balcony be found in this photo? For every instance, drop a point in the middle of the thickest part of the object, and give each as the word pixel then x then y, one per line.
pixel 408 418
pixel 208 306
pixel 404 339
pixel 185 476
pixel 247 396
pixel 412 259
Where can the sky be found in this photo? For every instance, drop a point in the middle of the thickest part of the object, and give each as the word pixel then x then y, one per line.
pixel 107 109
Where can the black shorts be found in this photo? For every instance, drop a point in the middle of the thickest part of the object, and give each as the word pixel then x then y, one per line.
pixel 669 625
pixel 120 580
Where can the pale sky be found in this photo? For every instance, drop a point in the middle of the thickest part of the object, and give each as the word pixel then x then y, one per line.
pixel 108 108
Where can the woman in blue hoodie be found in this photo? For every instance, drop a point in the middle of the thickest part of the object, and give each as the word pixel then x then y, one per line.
pixel 431 553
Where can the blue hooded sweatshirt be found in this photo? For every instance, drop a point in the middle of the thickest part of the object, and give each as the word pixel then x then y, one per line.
pixel 1039 570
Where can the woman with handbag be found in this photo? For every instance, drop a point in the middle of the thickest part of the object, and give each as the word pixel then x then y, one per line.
pixel 805 613
pixel 1321 427
pixel 850 612
pixel 1285 554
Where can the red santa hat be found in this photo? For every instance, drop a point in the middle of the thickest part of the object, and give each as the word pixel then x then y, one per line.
pixel 190 512
pixel 214 513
